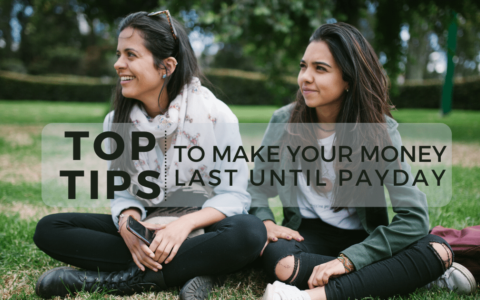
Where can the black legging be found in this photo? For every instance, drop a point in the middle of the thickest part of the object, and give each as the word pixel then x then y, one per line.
pixel 91 241
pixel 411 268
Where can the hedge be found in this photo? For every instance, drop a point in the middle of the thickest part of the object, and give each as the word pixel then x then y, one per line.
pixel 241 91
pixel 234 88
pixel 28 89
pixel 465 95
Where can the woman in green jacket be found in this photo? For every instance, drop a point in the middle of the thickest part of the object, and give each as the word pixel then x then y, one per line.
pixel 341 250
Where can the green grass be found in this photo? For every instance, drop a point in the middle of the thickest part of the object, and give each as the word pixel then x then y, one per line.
pixel 25 192
pixel 465 125
pixel 44 112
pixel 21 263
pixel 253 114
pixel 464 209
pixel 32 148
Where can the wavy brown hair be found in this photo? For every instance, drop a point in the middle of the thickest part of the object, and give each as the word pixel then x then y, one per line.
pixel 159 40
pixel 367 100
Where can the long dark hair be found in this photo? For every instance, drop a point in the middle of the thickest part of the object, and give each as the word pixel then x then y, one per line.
pixel 160 42
pixel 367 100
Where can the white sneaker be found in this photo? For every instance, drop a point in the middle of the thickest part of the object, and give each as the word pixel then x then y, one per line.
pixel 457 278
pixel 281 291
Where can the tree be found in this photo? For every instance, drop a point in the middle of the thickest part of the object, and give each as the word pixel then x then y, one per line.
pixel 51 41
pixel 7 13
pixel 270 35
pixel 391 15
pixel 421 26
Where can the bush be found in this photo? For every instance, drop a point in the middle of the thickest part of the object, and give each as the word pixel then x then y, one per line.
pixel 231 90
pixel 465 95
pixel 242 91
pixel 232 86
pixel 16 89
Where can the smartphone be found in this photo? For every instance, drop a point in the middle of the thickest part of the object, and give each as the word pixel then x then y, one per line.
pixel 140 231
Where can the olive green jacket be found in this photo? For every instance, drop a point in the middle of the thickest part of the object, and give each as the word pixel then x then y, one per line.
pixel 408 225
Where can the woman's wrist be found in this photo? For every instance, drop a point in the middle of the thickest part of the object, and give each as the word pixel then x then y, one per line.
pixel 347 263
pixel 189 222
pixel 268 222
pixel 121 223
pixel 123 217
pixel 132 211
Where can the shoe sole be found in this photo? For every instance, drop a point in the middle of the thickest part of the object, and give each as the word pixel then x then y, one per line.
pixel 37 286
pixel 197 288
pixel 467 274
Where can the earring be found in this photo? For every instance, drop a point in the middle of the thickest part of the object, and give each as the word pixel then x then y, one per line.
pixel 346 90
pixel 164 76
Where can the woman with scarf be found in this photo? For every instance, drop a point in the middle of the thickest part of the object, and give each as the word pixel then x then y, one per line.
pixel 159 92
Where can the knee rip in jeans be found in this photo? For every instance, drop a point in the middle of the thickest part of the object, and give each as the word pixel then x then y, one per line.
pixel 443 253
pixel 287 268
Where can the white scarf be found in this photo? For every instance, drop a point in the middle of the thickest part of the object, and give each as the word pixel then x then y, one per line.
pixel 191 120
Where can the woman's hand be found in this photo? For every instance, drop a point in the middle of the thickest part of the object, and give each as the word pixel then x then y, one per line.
pixel 275 232
pixel 335 268
pixel 167 241
pixel 141 254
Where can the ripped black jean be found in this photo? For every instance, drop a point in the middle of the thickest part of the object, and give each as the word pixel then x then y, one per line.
pixel 411 268
pixel 91 242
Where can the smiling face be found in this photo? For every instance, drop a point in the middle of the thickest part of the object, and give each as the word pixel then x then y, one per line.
pixel 320 78
pixel 135 66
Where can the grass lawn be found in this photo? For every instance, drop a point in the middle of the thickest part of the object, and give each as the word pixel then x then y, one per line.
pixel 21 263
pixel 465 124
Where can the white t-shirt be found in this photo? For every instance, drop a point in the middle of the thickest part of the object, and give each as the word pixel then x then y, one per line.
pixel 313 205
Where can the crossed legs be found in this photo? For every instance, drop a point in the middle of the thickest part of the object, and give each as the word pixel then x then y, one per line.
pixel 411 268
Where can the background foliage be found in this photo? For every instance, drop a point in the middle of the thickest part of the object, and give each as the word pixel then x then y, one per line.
pixel 233 90
pixel 78 37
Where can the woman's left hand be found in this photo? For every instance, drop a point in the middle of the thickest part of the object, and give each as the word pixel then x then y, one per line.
pixel 167 241
pixel 322 273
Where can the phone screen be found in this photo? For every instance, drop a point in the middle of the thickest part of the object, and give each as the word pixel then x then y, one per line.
pixel 140 231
